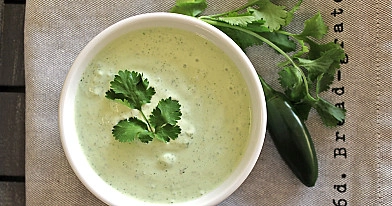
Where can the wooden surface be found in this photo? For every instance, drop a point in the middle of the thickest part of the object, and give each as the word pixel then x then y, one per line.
pixel 12 103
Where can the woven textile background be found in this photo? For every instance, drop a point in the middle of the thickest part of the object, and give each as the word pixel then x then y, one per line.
pixel 355 158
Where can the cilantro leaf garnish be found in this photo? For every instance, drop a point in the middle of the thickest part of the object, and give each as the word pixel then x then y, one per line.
pixel 274 15
pixel 309 67
pixel 328 112
pixel 164 119
pixel 167 112
pixel 314 27
pixel 132 90
pixel 189 7
pixel 128 130
pixel 291 80
pixel 238 19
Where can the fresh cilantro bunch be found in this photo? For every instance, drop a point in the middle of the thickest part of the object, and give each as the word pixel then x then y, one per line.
pixel 132 90
pixel 309 67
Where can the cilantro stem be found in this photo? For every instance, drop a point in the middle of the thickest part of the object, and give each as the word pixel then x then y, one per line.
pixel 220 24
pixel 285 33
pixel 146 120
pixel 268 91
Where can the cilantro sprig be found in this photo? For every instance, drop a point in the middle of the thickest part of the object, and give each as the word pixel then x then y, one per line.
pixel 131 89
pixel 309 67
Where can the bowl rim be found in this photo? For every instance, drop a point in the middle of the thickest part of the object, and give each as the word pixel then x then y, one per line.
pixel 74 152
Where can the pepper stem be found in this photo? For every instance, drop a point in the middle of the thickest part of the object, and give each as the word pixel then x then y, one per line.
pixel 268 91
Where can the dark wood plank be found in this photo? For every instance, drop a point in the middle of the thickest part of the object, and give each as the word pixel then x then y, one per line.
pixel 1 26
pixel 12 45
pixel 12 134
pixel 12 194
pixel 1 15
pixel 15 1
pixel 12 104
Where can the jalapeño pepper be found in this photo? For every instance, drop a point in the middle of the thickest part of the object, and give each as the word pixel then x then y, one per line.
pixel 290 136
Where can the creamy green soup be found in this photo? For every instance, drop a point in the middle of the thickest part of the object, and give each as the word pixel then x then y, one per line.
pixel 215 106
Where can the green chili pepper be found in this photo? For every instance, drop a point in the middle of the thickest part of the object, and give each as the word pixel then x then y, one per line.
pixel 290 136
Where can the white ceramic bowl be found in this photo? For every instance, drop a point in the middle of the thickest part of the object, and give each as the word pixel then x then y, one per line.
pixel 68 132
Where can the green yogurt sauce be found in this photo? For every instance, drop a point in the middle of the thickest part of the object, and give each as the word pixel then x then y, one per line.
pixel 216 115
